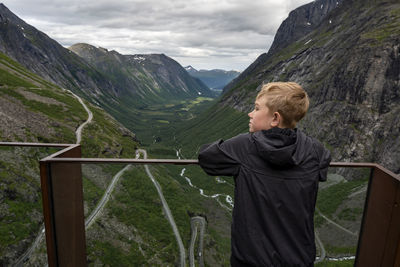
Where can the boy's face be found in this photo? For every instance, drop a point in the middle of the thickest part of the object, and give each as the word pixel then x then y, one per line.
pixel 261 117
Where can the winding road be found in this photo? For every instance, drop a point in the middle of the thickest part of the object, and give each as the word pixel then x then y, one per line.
pixel 195 223
pixel 335 224
pixel 92 217
pixel 321 246
pixel 78 131
pixel 106 196
pixel 167 211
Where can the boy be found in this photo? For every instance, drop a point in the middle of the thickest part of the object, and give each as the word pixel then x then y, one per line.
pixel 276 169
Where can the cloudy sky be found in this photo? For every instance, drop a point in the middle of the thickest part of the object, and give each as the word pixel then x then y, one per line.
pixel 207 34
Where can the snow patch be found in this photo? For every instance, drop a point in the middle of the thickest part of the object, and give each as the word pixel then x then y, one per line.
pixel 139 58
pixel 308 42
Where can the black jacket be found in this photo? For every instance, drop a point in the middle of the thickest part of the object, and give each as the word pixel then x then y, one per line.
pixel 276 182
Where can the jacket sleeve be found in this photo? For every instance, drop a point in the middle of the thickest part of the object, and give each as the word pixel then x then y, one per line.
pixel 216 160
pixel 324 161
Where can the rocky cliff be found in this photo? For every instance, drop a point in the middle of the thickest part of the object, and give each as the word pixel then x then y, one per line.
pixel 349 64
pixel 299 23
pixel 302 21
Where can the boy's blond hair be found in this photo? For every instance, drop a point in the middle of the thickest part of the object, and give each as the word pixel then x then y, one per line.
pixel 288 99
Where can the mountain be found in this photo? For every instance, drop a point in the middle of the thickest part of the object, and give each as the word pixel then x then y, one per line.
pixel 106 80
pixel 48 59
pixel 215 79
pixel 349 66
pixel 301 22
pixel 153 76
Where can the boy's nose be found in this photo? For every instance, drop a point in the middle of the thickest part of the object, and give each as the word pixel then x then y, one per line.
pixel 250 114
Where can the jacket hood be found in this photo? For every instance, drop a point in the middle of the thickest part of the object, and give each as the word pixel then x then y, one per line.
pixel 281 147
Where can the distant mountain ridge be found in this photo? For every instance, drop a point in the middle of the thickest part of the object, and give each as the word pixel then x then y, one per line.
pixel 214 79
pixel 145 75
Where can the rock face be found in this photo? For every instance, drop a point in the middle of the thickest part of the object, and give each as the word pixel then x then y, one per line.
pixel 349 65
pixel 302 21
pixel 299 23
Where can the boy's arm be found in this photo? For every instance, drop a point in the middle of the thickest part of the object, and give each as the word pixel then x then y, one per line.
pixel 324 161
pixel 215 160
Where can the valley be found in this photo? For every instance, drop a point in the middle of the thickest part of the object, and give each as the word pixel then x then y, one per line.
pixel 120 106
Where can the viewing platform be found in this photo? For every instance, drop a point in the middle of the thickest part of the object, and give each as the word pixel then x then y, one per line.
pixel 62 190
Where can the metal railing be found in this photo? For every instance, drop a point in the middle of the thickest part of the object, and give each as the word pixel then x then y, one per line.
pixel 62 194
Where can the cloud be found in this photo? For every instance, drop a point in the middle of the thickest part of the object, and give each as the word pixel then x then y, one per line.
pixel 213 33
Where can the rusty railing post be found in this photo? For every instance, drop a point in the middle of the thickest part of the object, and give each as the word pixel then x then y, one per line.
pixel 379 239
pixel 63 209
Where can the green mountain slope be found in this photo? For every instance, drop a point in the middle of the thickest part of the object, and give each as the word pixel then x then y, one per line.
pixel 34 110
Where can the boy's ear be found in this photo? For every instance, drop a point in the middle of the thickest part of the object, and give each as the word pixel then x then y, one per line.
pixel 276 120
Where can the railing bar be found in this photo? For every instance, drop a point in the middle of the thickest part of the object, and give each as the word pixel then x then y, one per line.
pixel 162 161
pixel 116 160
pixel 353 164
pixel 34 144
pixel 188 161
pixel 58 153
